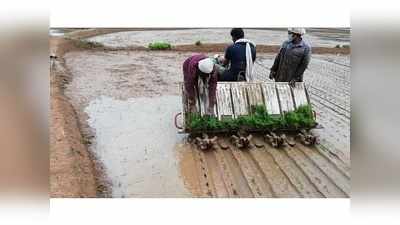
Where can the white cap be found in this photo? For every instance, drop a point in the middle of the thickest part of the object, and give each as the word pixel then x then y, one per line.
pixel 206 65
pixel 297 30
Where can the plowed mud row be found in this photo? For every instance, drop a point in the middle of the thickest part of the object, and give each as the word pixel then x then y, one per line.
pixel 287 172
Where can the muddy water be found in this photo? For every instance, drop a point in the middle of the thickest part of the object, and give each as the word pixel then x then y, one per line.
pixel 135 140
pixel 190 36
pixel 127 101
pixel 59 32
pixel 56 32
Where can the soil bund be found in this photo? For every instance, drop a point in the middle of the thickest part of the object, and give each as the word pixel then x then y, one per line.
pixel 71 169
pixel 220 47
pixel 74 173
pixel 260 49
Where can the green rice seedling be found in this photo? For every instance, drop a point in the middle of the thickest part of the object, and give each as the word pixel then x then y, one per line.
pixel 160 46
pixel 259 118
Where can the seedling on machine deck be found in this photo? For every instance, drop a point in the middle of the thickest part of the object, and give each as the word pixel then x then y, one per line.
pixel 274 109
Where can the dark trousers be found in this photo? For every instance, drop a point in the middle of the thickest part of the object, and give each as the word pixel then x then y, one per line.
pixel 228 75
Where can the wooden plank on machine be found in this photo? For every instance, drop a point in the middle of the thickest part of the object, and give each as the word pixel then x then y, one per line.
pixel 299 94
pixel 270 98
pixel 239 99
pixel 285 96
pixel 202 97
pixel 224 101
pixel 184 104
pixel 254 93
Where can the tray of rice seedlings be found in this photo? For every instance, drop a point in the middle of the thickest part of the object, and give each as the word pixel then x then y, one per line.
pixel 251 107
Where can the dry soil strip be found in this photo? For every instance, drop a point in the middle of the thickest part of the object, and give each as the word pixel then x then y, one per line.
pixel 207 48
pixel 72 171
pixel 220 47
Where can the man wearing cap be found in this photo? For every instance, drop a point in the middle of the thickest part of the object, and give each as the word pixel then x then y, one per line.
pixel 292 59
pixel 195 67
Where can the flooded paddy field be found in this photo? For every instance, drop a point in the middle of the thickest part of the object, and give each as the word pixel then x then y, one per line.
pixel 126 101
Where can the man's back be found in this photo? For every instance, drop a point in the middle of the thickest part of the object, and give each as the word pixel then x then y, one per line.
pixel 236 54
pixel 291 62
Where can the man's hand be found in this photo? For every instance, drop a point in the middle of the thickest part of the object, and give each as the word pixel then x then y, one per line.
pixel 272 75
pixel 292 83
pixel 221 59
pixel 192 106
pixel 210 111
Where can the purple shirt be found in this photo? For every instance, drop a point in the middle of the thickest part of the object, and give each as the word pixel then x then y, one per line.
pixel 191 76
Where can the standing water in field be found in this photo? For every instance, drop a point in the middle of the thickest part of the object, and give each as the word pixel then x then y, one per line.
pixel 135 140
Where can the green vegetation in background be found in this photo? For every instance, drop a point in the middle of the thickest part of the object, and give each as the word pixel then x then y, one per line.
pixel 160 46
pixel 342 46
pixel 259 118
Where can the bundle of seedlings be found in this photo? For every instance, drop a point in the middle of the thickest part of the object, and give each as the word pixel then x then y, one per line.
pixel 259 119
pixel 160 46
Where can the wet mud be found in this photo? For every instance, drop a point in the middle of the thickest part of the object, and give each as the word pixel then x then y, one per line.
pixel 126 100
pixel 288 172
